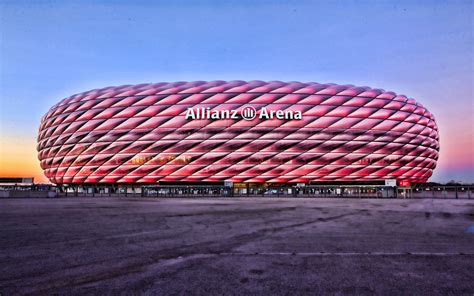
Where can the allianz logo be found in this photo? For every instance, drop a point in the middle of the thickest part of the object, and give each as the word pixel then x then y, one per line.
pixel 247 112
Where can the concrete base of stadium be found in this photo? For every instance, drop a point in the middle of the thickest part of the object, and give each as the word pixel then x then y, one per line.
pixel 237 246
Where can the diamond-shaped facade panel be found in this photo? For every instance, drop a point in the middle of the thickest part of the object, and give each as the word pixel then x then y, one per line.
pixel 142 134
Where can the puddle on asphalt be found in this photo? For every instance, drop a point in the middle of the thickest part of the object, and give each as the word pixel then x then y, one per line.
pixel 470 229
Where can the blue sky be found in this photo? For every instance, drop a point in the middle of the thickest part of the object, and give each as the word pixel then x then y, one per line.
pixel 52 49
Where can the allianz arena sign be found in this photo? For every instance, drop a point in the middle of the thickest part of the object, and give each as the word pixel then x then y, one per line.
pixel 247 112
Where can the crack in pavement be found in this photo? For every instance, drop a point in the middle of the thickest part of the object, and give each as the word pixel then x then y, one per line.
pixel 212 247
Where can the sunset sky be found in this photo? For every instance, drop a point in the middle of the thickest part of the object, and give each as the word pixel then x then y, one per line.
pixel 52 49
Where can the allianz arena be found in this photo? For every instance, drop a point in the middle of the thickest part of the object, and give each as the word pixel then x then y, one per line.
pixel 215 132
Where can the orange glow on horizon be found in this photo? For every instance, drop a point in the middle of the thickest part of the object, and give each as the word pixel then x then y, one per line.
pixel 19 158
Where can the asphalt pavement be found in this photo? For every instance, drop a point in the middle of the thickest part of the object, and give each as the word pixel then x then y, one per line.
pixel 246 246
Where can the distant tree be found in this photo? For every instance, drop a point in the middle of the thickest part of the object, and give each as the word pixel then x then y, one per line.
pixel 453 183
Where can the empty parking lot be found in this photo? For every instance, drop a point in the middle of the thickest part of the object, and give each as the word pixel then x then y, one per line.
pixel 236 246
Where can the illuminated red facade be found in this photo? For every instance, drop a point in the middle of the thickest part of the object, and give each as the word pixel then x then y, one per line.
pixel 140 134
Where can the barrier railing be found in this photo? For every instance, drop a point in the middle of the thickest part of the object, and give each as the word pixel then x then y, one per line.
pixel 435 192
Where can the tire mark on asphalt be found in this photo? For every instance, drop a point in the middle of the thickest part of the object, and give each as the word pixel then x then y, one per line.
pixel 146 259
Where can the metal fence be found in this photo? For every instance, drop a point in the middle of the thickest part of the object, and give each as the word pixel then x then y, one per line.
pixel 436 192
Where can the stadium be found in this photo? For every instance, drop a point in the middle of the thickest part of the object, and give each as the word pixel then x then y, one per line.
pixel 237 134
